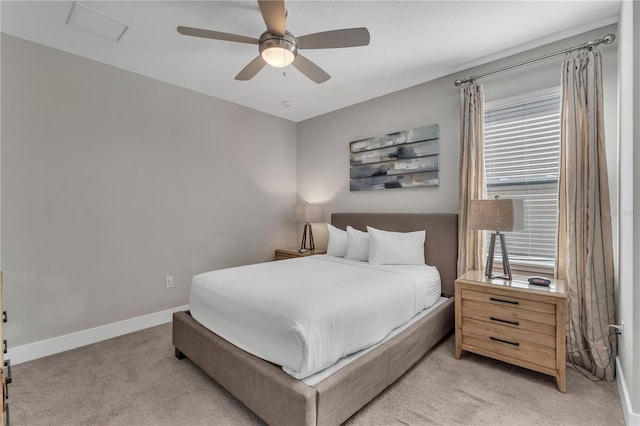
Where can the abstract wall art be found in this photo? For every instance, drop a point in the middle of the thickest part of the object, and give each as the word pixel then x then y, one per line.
pixel 406 159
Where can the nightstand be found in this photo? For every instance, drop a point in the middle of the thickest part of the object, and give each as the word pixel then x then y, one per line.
pixel 514 322
pixel 290 253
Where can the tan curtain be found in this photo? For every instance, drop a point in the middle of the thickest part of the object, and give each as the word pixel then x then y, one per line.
pixel 584 247
pixel 471 179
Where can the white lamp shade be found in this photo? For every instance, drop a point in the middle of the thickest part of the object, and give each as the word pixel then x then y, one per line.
pixel 307 213
pixel 277 56
pixel 500 214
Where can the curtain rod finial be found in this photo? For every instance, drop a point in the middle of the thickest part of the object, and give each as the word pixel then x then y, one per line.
pixel 609 38
pixel 458 82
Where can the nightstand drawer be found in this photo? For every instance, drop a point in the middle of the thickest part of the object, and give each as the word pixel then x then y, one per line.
pixel 526 320
pixel 513 334
pixel 498 299
pixel 283 256
pixel 516 349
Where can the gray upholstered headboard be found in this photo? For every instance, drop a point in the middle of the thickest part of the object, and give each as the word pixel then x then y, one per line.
pixel 441 246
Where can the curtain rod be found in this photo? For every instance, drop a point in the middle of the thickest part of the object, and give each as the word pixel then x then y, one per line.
pixel 608 39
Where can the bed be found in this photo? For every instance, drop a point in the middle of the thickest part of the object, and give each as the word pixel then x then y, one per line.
pixel 277 397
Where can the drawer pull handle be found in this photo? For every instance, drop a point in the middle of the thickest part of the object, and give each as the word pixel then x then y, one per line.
pixel 7 364
pixel 4 346
pixel 512 302
pixel 505 321
pixel 4 316
pixel 505 341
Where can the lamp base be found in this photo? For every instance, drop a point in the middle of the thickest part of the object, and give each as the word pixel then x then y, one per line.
pixel 303 244
pixel 506 267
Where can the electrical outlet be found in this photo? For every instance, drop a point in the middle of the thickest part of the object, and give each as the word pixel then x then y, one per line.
pixel 168 282
pixel 617 329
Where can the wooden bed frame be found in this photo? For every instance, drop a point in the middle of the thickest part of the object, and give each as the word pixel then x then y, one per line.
pixel 277 397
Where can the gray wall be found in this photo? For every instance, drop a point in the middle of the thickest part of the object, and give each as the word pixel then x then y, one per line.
pixel 635 354
pixel 628 295
pixel 112 181
pixel 323 150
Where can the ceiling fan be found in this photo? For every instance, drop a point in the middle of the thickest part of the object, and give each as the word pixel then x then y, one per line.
pixel 279 48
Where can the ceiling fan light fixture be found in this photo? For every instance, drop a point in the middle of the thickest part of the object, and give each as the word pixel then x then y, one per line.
pixel 278 51
pixel 277 57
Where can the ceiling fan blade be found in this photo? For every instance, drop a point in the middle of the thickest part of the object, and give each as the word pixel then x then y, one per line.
pixel 310 69
pixel 216 35
pixel 349 37
pixel 251 69
pixel 274 15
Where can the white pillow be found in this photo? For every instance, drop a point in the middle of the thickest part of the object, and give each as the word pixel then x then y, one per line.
pixel 337 241
pixel 396 248
pixel 357 245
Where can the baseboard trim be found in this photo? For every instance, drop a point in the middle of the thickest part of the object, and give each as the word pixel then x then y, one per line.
pixel 630 418
pixel 55 345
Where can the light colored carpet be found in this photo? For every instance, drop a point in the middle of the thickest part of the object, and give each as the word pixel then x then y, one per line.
pixel 136 380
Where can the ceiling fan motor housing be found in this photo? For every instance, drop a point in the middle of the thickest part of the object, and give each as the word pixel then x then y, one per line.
pixel 287 42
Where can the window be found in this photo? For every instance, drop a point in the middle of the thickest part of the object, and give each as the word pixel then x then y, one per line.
pixel 522 150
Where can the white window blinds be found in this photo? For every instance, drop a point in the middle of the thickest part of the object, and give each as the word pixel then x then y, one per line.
pixel 522 149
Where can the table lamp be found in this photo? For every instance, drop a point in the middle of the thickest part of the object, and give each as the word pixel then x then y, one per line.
pixel 499 214
pixel 307 214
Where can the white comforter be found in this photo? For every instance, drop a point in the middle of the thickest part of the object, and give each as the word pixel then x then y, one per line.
pixel 305 314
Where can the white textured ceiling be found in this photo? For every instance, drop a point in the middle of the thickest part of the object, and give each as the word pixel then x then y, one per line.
pixel 411 42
